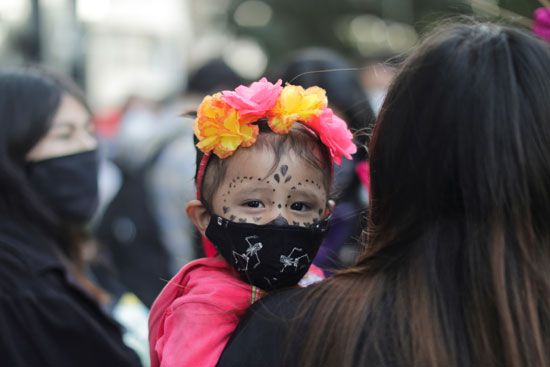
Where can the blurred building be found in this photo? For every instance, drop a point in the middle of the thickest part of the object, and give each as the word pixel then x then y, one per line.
pixel 117 48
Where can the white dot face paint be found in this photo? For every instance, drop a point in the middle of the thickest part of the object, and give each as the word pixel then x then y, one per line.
pixel 252 192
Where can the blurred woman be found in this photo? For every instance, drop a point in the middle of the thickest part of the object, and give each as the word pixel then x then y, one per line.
pixel 456 271
pixel 50 312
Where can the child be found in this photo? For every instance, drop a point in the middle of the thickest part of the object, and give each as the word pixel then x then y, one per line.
pixel 262 202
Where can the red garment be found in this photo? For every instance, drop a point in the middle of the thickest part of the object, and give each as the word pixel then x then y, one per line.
pixel 196 312
pixel 363 171
pixel 208 247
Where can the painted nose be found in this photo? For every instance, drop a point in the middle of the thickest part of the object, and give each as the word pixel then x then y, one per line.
pixel 279 221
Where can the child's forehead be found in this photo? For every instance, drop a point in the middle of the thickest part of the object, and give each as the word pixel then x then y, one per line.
pixel 259 164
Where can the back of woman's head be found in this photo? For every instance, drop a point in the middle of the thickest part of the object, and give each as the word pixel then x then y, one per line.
pixel 465 133
pixel 461 194
pixel 457 261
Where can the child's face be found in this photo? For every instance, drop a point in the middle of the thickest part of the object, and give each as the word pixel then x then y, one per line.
pixel 293 194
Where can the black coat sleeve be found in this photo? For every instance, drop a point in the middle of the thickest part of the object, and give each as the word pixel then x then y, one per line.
pixel 269 334
pixel 45 326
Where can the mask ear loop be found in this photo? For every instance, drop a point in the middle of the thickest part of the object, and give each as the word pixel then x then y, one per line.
pixel 208 247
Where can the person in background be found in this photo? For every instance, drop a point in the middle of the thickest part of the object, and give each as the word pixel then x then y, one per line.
pixel 335 74
pixel 144 227
pixel 376 77
pixel 455 271
pixel 50 313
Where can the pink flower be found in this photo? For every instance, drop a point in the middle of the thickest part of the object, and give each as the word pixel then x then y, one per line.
pixel 541 25
pixel 334 133
pixel 254 101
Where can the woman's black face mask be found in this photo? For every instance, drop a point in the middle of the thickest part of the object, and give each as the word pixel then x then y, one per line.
pixel 68 185
pixel 269 256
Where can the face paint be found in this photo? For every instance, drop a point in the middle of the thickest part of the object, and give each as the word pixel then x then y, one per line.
pixel 296 201
pixel 279 221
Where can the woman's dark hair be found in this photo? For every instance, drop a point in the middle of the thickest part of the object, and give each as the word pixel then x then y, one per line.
pixel 332 72
pixel 29 99
pixel 456 268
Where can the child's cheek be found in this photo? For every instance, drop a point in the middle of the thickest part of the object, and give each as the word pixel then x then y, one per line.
pixel 305 220
pixel 235 215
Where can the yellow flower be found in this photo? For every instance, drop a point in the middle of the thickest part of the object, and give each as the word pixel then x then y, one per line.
pixel 220 129
pixel 296 104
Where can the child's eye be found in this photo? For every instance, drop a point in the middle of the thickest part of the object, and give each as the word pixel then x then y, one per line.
pixel 253 204
pixel 300 206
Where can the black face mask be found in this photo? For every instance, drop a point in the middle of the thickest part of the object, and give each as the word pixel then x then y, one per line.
pixel 68 185
pixel 267 256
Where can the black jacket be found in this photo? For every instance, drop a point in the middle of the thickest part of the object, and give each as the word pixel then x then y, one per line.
pixel 266 336
pixel 273 331
pixel 46 318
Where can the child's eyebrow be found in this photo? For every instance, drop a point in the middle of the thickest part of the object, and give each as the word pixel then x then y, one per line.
pixel 309 194
pixel 252 188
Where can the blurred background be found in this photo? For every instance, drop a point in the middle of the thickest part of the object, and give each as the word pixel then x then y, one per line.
pixel 144 64
pixel 115 48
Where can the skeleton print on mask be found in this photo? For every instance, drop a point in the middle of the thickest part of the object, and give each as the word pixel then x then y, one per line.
pixel 295 259
pixel 250 257
pixel 267 256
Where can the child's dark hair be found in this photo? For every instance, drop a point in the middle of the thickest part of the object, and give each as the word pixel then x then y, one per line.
pixel 300 140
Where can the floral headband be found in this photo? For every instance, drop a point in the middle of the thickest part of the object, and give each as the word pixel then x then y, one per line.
pixel 226 121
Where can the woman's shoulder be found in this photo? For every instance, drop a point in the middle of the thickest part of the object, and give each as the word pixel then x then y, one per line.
pixel 277 310
pixel 27 245
pixel 283 304
pixel 23 257
pixel 264 335
pixel 14 268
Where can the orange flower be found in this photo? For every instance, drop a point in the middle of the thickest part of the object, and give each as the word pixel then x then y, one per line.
pixel 296 104
pixel 221 129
